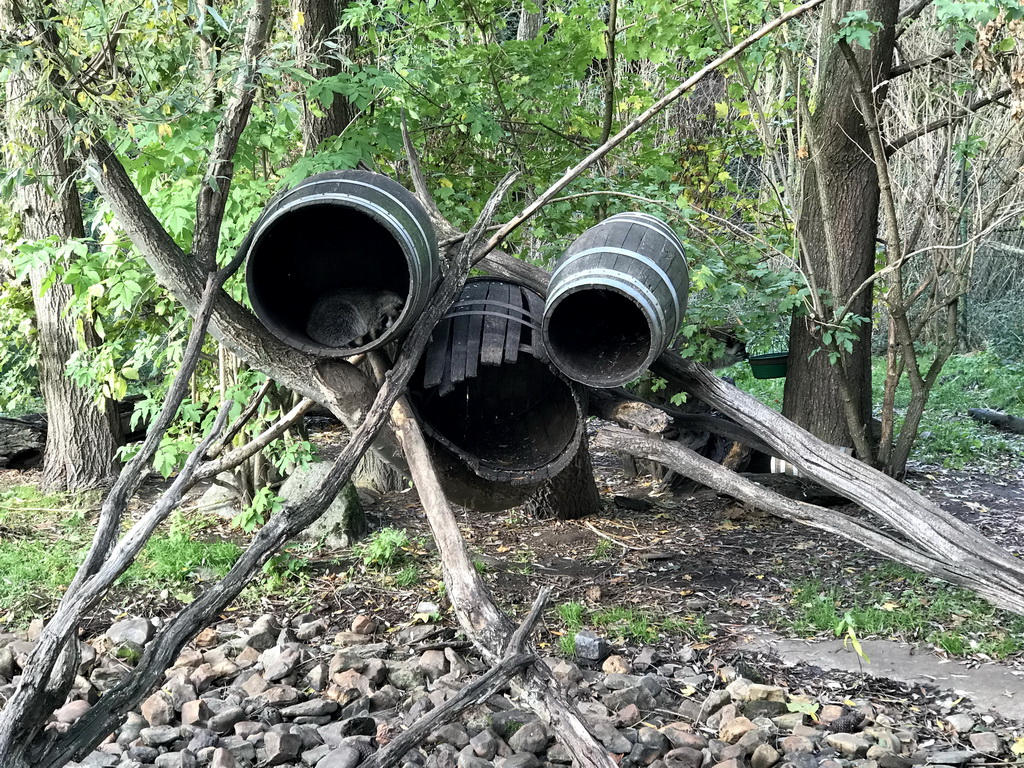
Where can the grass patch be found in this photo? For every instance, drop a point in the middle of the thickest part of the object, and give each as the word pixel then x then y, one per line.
pixel 947 435
pixel 385 549
pixel 894 601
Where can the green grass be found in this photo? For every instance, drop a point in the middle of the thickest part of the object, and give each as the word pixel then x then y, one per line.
pixel 626 624
pixel 894 601
pixel 385 549
pixel 947 435
pixel 43 538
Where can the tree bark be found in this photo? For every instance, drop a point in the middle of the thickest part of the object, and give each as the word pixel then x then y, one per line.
pixel 81 445
pixel 530 22
pixel 316 23
pixel 569 495
pixel 837 225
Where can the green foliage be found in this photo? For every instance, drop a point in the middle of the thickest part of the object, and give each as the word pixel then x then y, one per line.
pixel 385 549
pixel 571 615
pixel 264 504
pixel 857 28
pixel 894 601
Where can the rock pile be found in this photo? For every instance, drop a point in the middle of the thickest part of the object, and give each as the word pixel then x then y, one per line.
pixel 263 694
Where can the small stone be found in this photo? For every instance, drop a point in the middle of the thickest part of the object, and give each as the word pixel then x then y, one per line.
pixel 830 712
pixel 608 735
pixel 731 730
pixel 961 723
pixel 758 692
pixel 279 696
pixel 183 759
pixel 629 715
pixel 433 663
pixel 789 721
pixel 223 759
pixel 682 735
pixel 197 711
pixel 764 756
pixel 224 721
pixel 310 630
pixel 281 747
pixel 247 729
pixel 848 744
pixel 566 673
pixel 278 664
pixel 532 737
pixel 202 738
pixel 311 708
pixel 521 760
pixel 138 631
pixel 452 733
pixel 794 744
pixel 208 638
pixel 732 762
pixel 590 647
pixel 158 709
pixel 684 757
pixel 987 743
pixel 342 757
pixel 159 735
pixel 951 757
pixel 485 744
pixel 264 632
pixel 738 689
pixel 363 625
pixel 615 665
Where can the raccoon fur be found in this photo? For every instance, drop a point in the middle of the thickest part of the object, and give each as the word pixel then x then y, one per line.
pixel 351 317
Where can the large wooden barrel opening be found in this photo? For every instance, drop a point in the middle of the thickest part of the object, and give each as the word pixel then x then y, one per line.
pixel 598 334
pixel 342 263
pixel 499 417
pixel 616 299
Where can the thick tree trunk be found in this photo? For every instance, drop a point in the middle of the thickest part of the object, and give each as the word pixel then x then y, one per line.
pixel 316 22
pixel 81 443
pixel 569 495
pixel 838 224
pixel 529 22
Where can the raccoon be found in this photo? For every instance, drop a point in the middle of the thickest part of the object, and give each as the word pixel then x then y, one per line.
pixel 734 348
pixel 351 317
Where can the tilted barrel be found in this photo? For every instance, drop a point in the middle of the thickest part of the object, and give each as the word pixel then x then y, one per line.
pixel 342 263
pixel 498 417
pixel 616 300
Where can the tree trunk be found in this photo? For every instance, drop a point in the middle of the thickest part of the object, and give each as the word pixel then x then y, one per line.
pixel 569 495
pixel 530 23
pixel 316 22
pixel 81 442
pixel 838 224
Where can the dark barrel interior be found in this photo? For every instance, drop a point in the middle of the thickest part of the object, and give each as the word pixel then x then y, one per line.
pixel 313 249
pixel 597 334
pixel 499 417
pixel 514 418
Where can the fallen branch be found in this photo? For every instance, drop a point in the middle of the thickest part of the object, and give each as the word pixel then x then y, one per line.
pixel 995 418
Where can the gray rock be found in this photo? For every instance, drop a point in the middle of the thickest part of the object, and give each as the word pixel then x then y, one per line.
pixel 519 760
pixel 138 631
pixel 764 756
pixel 789 721
pixel 343 757
pixel 311 708
pixel 951 757
pixel 566 673
pixel 100 760
pixel 452 733
pixel 801 760
pixel 158 709
pixel 591 647
pixel 961 723
pixel 797 744
pixel 183 759
pixel 433 664
pixel 281 747
pixel 614 741
pixel 406 676
pixel 987 743
pixel 469 760
pixel 532 737
pixel 848 744
pixel 159 735
pixel 144 754
pixel 330 528
pixel 223 759
pixel 637 696
pixel 278 663
pixel 201 739
pixel 264 632
pixel 684 757
pixel 485 744
pixel 224 721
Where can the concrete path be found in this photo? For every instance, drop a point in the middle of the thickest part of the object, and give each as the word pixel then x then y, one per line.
pixel 992 687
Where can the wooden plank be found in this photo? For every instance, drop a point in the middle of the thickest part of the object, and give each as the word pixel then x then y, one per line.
pixel 493 340
pixel 536 305
pixel 476 291
pixel 460 338
pixel 514 328
pixel 437 351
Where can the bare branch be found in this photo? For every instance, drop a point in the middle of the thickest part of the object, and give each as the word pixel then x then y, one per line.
pixel 942 122
pixel 910 66
pixel 636 124
pixel 213 194
pixel 243 418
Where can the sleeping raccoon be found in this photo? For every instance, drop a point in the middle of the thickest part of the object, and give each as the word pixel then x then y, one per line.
pixel 351 317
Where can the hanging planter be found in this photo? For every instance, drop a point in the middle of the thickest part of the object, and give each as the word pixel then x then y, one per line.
pixel 770 366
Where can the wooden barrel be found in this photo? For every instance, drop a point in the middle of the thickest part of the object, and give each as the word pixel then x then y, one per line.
pixel 342 263
pixel 499 417
pixel 616 299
